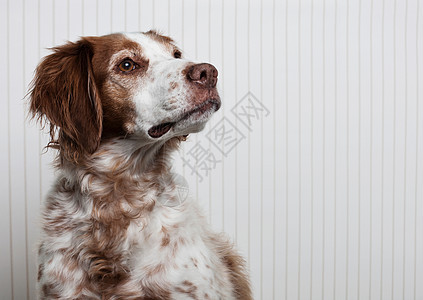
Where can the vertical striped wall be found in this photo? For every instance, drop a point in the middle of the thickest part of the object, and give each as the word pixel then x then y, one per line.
pixel 314 164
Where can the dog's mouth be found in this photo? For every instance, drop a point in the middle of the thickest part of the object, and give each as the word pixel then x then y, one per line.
pixel 163 128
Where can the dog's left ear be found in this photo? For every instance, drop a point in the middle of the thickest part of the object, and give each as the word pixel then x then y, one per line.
pixel 64 92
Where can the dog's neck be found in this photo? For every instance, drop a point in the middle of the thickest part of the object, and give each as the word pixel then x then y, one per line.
pixel 123 161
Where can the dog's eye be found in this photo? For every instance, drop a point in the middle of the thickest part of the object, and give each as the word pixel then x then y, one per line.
pixel 177 54
pixel 127 65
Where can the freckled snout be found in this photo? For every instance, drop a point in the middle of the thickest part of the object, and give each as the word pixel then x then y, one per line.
pixel 204 75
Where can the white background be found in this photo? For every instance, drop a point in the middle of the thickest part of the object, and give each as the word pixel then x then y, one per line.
pixel 323 196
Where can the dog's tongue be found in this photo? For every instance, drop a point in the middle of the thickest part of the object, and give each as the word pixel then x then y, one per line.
pixel 159 130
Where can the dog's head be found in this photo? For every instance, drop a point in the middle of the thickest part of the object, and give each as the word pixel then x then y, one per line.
pixel 136 86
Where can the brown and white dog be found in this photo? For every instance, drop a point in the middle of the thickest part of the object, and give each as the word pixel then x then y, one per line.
pixel 118 105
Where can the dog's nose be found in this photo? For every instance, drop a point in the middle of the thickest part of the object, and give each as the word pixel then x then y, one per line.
pixel 203 74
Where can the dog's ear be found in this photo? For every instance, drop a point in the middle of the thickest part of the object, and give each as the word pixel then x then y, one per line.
pixel 64 92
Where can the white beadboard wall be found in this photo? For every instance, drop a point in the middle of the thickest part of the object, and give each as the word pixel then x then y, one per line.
pixel 320 185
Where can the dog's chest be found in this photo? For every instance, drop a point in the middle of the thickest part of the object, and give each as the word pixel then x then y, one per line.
pixel 172 251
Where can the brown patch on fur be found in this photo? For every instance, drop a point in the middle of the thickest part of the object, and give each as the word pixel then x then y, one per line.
pixel 53 279
pixel 175 249
pixel 188 288
pixel 155 270
pixel 165 241
pixel 182 241
pixel 115 87
pixel 173 85
pixel 166 238
pixel 57 218
pixel 195 262
pixel 155 293
pixel 64 92
pixel 49 291
pixel 236 266
pixel 40 272
pixel 188 283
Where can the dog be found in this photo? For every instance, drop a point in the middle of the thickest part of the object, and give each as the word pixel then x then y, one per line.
pixel 117 106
